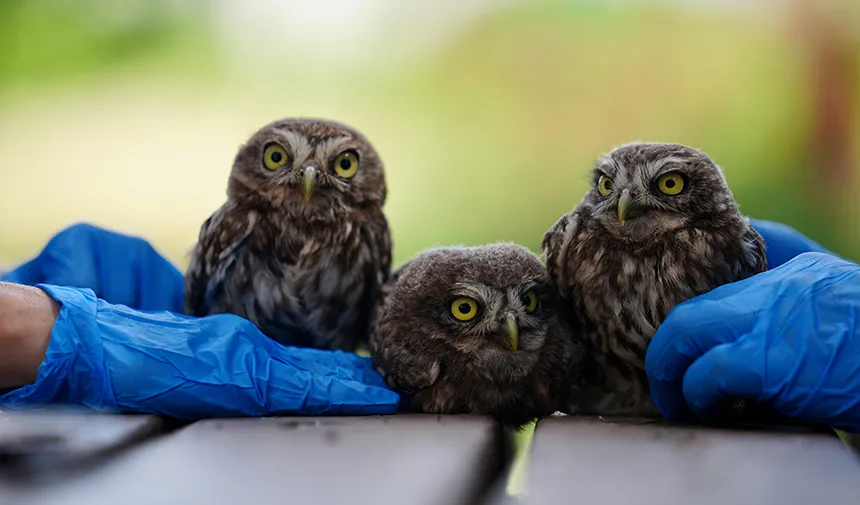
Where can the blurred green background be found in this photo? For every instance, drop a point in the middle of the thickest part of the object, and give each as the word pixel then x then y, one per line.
pixel 488 114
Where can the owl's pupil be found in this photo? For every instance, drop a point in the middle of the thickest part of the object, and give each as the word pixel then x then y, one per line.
pixel 464 308
pixel 277 157
pixel 345 164
pixel 670 183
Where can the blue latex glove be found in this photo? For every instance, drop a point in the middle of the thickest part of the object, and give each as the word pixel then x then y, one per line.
pixel 111 357
pixel 118 268
pixel 789 337
pixel 783 242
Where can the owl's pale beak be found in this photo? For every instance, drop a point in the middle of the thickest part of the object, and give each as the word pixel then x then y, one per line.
pixel 628 208
pixel 309 182
pixel 511 333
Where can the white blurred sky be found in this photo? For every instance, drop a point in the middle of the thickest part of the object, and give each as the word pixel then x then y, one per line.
pixel 345 31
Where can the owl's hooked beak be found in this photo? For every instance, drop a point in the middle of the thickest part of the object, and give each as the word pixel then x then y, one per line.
pixel 309 182
pixel 511 332
pixel 628 208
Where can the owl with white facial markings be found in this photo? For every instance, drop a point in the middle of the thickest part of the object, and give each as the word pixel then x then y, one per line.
pixel 477 330
pixel 301 248
pixel 658 226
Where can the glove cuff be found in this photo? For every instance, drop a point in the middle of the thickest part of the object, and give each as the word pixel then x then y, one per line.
pixel 74 369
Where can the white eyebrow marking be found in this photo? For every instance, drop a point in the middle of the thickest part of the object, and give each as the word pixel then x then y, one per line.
pixel 608 163
pixel 618 172
pixel 654 167
pixel 328 147
pixel 298 143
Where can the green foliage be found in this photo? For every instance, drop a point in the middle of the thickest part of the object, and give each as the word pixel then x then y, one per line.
pixel 523 103
pixel 490 138
pixel 63 40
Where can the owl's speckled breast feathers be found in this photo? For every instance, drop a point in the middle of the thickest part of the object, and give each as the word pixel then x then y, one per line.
pixel 659 227
pixel 301 247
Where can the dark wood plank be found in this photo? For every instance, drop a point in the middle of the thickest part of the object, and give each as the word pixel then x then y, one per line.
pixel 586 460
pixel 373 460
pixel 45 443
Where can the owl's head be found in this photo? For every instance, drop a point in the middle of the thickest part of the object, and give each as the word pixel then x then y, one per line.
pixel 308 166
pixel 492 302
pixel 646 189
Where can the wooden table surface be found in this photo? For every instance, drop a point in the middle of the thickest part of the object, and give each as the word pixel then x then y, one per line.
pixel 659 463
pixel 70 459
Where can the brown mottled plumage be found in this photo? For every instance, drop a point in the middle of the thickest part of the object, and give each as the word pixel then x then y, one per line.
pixel 623 278
pixel 301 247
pixel 514 357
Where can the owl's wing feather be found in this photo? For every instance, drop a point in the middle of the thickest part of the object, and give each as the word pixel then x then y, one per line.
pixel 404 370
pixel 410 372
pixel 375 236
pixel 380 240
pixel 551 243
pixel 756 251
pixel 221 237
pixel 555 244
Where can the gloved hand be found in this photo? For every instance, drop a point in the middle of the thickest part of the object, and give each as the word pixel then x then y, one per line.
pixel 111 357
pixel 120 269
pixel 789 337
pixel 783 242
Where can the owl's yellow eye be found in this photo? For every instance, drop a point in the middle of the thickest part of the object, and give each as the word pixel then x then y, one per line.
pixel 530 300
pixel 670 184
pixel 604 185
pixel 346 164
pixel 464 309
pixel 274 157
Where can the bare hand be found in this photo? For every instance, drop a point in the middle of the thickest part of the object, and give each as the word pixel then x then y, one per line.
pixel 27 315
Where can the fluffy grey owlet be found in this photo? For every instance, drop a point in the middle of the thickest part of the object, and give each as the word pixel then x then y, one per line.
pixel 476 330
pixel 659 226
pixel 301 247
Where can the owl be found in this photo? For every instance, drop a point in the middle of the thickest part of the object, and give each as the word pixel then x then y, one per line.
pixel 301 247
pixel 659 226
pixel 476 330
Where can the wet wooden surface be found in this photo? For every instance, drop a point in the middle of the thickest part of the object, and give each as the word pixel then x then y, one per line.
pixel 586 460
pixel 69 459
pixel 372 460
pixel 44 444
